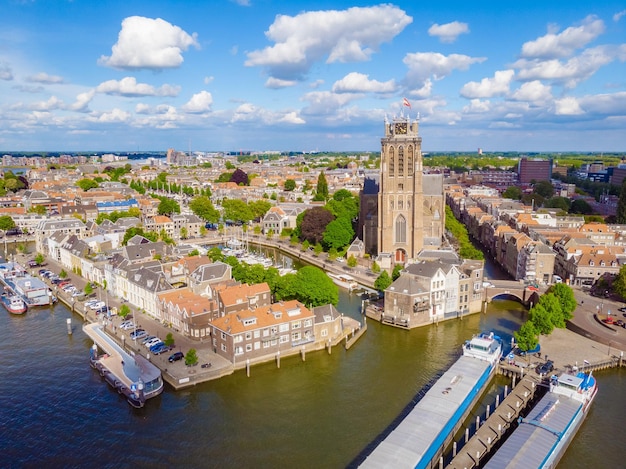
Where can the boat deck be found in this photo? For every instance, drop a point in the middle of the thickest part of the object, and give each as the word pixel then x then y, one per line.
pixel 538 434
pixel 421 437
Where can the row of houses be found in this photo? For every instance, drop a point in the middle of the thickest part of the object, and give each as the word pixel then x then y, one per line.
pixel 538 246
pixel 191 294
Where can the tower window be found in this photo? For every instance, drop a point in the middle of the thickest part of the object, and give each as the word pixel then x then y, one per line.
pixel 410 152
pixel 401 161
pixel 392 163
pixel 400 229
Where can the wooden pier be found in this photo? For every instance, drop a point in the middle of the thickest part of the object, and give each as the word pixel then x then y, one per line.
pixel 496 425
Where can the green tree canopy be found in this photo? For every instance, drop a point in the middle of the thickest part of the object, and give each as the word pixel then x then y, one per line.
pixel 237 210
pixel 259 208
pixel 544 188
pixel 619 284
pixel 315 288
pixel 124 311
pixel 6 222
pixel 338 233
pixel 137 230
pixel 203 208
pixel 565 296
pixel 558 202
pixel 526 336
pixel 541 319
pixel 512 192
pixel 290 185
pixel 581 206
pixel 86 184
pixel 383 281
pixel 321 193
pixel 191 357
pixel 168 207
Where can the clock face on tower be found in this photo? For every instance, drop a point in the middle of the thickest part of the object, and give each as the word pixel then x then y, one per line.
pixel 400 128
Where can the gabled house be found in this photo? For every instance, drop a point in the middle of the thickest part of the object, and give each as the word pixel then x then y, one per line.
pixel 187 312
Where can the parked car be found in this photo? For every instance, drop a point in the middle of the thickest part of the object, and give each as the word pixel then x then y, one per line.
pixel 175 357
pixel 545 368
pixel 97 305
pixel 127 326
pixel 156 346
pixel 148 339
pixel 622 309
pixel 153 342
pixel 161 349
pixel 138 334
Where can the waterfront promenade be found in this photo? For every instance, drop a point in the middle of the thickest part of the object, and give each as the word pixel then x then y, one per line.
pixel 177 374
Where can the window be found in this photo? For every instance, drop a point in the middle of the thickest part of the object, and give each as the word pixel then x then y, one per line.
pixel 410 164
pixel 284 339
pixel 324 332
pixel 257 345
pixel 296 325
pixel 266 332
pixel 223 347
pixel 238 338
pixel 283 327
pixel 400 229
pixel 308 322
pixel 248 347
pixel 401 161
pixel 295 336
pixel 248 335
pixel 257 334
pixel 239 350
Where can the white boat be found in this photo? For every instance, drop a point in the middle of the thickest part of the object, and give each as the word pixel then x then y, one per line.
pixel 344 281
pixel 484 346
pixel 543 436
pixel 14 304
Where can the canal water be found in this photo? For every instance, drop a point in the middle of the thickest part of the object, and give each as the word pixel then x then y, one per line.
pixel 55 411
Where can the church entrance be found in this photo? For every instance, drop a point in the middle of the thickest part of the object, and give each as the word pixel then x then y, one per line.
pixel 400 256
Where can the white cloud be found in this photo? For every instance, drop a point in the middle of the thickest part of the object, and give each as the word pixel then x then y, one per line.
pixel 51 104
pixel 489 87
pixel 340 36
pixel 533 91
pixel 359 83
pixel 449 32
pixel 605 104
pixel 423 92
pixel 567 107
pixel 478 106
pixel 128 86
pixel 275 83
pixel 292 118
pixel 618 16
pixel 425 65
pixel 571 72
pixel 554 45
pixel 149 43
pixel 44 78
pixel 82 101
pixel 208 80
pixel 5 72
pixel 115 115
pixel 325 102
pixel 199 102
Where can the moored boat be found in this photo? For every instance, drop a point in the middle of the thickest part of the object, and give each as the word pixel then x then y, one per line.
pixel 420 437
pixel 344 281
pixel 541 438
pixel 13 304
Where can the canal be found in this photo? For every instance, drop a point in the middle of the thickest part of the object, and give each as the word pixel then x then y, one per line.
pixel 319 413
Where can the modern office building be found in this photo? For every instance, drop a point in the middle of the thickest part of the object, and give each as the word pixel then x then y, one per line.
pixel 534 170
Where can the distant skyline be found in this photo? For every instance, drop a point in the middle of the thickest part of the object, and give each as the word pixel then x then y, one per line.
pixel 311 76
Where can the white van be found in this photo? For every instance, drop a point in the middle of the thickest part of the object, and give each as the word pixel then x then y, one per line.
pixel 557 279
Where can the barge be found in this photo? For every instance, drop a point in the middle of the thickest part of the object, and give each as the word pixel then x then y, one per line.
pixel 422 436
pixel 131 375
pixel 31 290
pixel 13 303
pixel 541 438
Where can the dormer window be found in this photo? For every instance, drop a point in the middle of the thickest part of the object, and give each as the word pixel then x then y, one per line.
pixel 591 263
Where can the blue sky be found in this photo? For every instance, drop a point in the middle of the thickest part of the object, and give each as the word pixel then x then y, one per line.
pixel 305 76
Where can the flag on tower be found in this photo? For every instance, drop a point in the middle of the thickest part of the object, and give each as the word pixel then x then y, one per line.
pixel 406 102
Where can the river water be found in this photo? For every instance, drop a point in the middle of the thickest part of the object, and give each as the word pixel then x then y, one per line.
pixel 55 411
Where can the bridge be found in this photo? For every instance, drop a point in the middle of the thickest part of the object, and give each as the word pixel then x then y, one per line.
pixel 528 295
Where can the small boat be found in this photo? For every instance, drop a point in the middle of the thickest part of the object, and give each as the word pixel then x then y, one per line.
pixel 542 437
pixel 344 281
pixel 484 346
pixel 14 304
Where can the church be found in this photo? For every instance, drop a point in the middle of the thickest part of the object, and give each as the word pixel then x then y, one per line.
pixel 403 212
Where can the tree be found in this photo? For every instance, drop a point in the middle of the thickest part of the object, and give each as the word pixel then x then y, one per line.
pixel 338 233
pixel 259 208
pixel 541 320
pixel 240 178
pixel 168 207
pixel 203 208
pixel 383 281
pixel 315 288
pixel 290 185
pixel 6 222
pixel 397 271
pixel 544 188
pixel 86 184
pixel 558 202
pixel 566 298
pixel 63 274
pixel 375 267
pixel 321 192
pixel 40 258
pixel 124 311
pixel 169 340
pixel 318 249
pixel 193 253
pixel 138 231
pixel 619 284
pixel 314 222
pixel 581 206
pixel 237 210
pixel 88 290
pixel 352 262
pixel 38 209
pixel 553 307
pixel 526 336
pixel 191 357
pixel 512 192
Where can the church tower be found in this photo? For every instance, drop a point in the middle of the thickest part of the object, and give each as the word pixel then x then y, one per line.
pixel 401 195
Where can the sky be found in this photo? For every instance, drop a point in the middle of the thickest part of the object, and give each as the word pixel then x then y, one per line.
pixel 265 75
